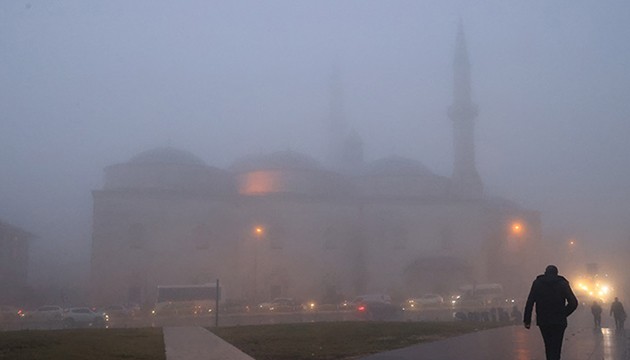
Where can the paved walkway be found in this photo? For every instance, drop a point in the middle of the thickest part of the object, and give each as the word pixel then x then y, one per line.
pixel 517 343
pixel 507 343
pixel 197 343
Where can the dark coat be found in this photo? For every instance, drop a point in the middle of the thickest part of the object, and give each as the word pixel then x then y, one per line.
pixel 617 310
pixel 554 301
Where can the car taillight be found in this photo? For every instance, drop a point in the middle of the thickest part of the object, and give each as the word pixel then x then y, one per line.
pixel 361 308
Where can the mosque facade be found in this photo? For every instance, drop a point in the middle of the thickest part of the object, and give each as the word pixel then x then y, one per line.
pixel 286 225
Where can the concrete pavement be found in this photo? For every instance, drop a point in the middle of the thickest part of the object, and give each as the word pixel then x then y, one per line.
pixel 517 343
pixel 582 342
pixel 197 343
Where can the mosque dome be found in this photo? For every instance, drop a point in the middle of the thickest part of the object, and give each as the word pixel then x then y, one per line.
pixel 285 172
pixel 400 177
pixel 279 160
pixel 166 155
pixel 168 168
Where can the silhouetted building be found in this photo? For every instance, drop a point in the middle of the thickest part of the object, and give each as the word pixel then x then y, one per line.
pixel 13 263
pixel 284 225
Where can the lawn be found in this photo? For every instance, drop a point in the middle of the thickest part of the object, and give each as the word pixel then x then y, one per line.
pixel 338 340
pixel 80 344
pixel 314 341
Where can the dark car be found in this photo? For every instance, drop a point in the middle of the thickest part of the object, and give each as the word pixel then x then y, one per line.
pixel 376 310
pixel 118 312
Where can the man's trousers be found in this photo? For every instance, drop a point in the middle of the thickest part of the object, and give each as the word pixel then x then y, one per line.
pixel 552 336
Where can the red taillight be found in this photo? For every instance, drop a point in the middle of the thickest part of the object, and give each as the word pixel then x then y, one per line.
pixel 361 308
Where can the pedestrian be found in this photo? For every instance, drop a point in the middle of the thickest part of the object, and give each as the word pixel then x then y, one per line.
pixel 516 314
pixel 617 311
pixel 554 301
pixel 596 310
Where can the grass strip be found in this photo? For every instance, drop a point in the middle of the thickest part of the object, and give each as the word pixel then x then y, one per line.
pixel 80 344
pixel 338 340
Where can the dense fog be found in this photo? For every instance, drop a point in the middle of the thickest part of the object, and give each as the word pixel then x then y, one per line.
pixel 89 84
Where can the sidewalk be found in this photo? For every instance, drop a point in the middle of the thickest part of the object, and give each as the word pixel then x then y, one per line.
pixel 516 343
pixel 197 343
pixel 507 343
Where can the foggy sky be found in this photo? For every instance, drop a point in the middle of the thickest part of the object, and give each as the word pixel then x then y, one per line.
pixel 87 84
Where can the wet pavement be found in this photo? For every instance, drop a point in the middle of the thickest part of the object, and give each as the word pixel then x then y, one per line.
pixel 581 342
pixel 517 343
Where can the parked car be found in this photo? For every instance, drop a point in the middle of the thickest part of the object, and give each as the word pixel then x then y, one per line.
pixel 346 305
pixel 235 306
pixel 46 313
pixel 376 307
pixel 9 314
pixel 383 298
pixel 83 317
pixel 280 305
pixel 379 311
pixel 118 312
pixel 426 301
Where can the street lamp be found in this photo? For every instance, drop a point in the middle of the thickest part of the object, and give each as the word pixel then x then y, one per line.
pixel 258 232
pixel 517 228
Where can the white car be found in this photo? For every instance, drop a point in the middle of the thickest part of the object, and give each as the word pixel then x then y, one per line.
pixel 83 317
pixel 423 302
pixel 430 299
pixel 46 313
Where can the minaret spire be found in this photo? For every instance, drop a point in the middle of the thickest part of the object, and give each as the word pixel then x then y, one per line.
pixel 336 120
pixel 466 181
pixel 345 148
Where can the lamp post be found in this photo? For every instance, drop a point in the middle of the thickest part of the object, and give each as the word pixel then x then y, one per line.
pixel 259 232
pixel 572 243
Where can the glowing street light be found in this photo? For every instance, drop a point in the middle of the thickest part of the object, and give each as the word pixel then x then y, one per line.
pixel 259 230
pixel 517 228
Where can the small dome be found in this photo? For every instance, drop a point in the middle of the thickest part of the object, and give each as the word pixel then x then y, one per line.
pixel 397 166
pixel 167 155
pixel 280 160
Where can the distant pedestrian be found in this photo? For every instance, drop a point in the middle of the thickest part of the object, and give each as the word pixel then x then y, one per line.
pixel 554 301
pixel 516 314
pixel 493 314
pixel 596 310
pixel 617 311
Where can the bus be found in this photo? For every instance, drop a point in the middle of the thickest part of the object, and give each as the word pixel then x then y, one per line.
pixel 195 300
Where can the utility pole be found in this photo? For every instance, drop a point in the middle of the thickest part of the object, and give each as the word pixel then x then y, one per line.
pixel 216 307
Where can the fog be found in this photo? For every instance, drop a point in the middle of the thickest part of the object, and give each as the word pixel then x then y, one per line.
pixel 89 84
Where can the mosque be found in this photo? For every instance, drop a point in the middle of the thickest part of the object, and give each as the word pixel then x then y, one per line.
pixel 286 225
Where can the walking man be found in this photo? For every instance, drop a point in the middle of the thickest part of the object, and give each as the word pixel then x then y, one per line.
pixel 554 301
pixel 617 311
pixel 596 310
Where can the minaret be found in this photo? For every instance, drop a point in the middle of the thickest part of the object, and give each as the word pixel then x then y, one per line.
pixel 336 120
pixel 466 182
pixel 345 148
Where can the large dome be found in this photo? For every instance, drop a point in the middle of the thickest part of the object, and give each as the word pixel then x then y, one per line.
pixel 285 172
pixel 167 168
pixel 280 160
pixel 166 155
